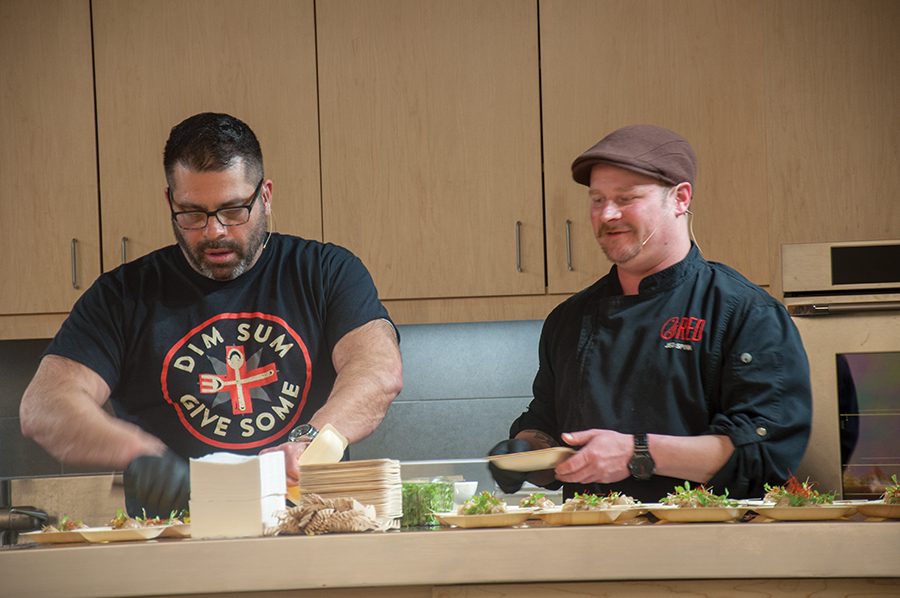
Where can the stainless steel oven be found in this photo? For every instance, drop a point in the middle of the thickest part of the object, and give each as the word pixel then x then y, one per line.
pixel 845 300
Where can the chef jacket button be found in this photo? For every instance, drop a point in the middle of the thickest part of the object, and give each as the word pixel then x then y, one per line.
pixel 746 357
pixel 760 431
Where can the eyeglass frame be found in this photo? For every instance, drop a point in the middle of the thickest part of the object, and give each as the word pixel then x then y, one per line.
pixel 247 206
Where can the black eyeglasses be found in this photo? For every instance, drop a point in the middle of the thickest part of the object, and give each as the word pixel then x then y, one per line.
pixel 231 216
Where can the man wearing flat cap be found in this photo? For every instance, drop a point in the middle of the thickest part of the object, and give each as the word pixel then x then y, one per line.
pixel 670 368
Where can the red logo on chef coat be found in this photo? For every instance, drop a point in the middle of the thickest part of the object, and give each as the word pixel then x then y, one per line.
pixel 239 380
pixel 682 329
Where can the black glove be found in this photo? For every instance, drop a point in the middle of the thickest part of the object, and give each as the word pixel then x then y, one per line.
pixel 509 481
pixel 157 485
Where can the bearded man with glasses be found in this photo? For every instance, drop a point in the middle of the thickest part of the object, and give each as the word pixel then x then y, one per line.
pixel 236 339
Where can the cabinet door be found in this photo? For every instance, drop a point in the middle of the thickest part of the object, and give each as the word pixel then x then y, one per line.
pixel 48 195
pixel 834 136
pixel 431 163
pixel 694 66
pixel 159 62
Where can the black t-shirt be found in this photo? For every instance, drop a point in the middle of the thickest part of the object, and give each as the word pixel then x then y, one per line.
pixel 211 366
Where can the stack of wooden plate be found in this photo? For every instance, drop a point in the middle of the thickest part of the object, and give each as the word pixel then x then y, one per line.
pixel 373 482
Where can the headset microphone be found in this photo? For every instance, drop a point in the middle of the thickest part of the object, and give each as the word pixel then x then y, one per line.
pixel 269 219
pixel 653 232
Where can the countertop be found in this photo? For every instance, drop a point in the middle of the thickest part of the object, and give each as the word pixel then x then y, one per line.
pixel 661 551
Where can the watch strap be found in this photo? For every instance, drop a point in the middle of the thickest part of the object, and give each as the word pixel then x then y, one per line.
pixel 640 443
pixel 641 465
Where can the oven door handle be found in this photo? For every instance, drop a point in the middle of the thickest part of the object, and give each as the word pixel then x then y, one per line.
pixel 830 309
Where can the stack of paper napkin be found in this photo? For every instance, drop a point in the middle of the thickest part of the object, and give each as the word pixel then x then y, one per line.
pixel 236 495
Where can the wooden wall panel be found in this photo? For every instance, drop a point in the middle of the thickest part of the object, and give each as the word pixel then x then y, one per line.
pixel 431 143
pixel 48 194
pixel 160 62
pixel 833 122
pixel 694 66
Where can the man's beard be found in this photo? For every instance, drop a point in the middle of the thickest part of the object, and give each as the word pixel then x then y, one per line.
pixel 246 256
pixel 619 251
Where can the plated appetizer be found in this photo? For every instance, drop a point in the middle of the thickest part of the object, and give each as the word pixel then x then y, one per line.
pixel 65 524
pixel 795 493
pixel 484 510
pixel 891 494
pixel 120 528
pixel 697 505
pixel 536 500
pixel 596 502
pixel 700 497
pixel 887 506
pixel 483 503
pixel 123 521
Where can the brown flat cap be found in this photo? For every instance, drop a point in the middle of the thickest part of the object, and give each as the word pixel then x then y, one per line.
pixel 647 149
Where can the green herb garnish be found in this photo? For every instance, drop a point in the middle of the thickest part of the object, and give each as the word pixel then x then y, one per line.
pixel 483 503
pixel 532 500
pixel 685 496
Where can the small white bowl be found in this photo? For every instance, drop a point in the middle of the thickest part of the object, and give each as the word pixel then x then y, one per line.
pixel 463 491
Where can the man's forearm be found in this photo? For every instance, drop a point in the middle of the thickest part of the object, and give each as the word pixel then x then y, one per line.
pixel 358 403
pixel 694 458
pixel 86 435
pixel 62 411
pixel 370 376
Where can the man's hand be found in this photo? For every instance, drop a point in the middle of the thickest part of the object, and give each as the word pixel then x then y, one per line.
pixel 603 457
pixel 292 452
pixel 157 485
pixel 509 481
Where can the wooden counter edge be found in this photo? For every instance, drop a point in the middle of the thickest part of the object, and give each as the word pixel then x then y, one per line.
pixel 841 549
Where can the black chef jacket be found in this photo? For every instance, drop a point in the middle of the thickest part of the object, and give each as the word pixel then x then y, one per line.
pixel 699 350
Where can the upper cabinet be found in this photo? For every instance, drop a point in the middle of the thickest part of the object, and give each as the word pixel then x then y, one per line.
pixel 48 195
pixel 693 66
pixel 431 143
pixel 434 138
pixel 834 125
pixel 159 62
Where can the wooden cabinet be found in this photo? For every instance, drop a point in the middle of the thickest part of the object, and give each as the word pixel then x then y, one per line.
pixel 159 62
pixel 445 135
pixel 833 140
pixel 694 66
pixel 431 157
pixel 48 195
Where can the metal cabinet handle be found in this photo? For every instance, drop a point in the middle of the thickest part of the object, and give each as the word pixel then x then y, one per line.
pixel 74 252
pixel 124 254
pixel 569 245
pixel 518 246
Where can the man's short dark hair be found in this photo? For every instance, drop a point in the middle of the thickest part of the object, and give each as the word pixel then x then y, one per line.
pixel 212 142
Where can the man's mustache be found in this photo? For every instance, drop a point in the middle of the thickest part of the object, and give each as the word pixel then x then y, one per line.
pixel 229 245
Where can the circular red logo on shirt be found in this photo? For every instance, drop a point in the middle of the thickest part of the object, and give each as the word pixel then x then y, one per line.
pixel 238 380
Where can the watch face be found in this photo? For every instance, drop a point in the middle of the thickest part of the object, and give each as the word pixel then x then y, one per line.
pixel 302 432
pixel 641 466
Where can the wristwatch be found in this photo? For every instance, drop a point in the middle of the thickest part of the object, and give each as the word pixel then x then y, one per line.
pixel 303 433
pixel 641 465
